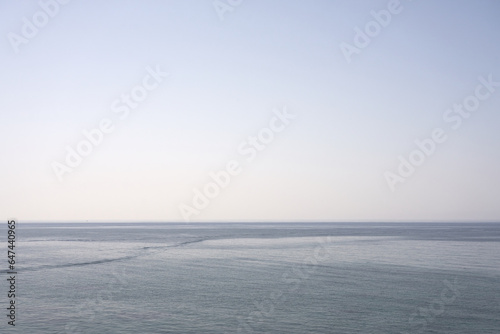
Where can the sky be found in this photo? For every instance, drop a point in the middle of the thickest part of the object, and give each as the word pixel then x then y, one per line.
pixel 239 110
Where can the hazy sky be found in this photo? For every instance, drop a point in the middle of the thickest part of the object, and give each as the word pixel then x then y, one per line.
pixel 313 106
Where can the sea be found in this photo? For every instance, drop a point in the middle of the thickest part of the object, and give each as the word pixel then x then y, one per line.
pixel 290 278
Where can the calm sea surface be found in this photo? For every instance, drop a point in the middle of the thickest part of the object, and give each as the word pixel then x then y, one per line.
pixel 255 278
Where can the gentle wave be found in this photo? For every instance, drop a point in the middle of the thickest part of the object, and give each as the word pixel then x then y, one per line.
pixel 122 258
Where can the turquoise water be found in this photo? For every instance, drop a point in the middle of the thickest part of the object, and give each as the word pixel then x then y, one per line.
pixel 257 278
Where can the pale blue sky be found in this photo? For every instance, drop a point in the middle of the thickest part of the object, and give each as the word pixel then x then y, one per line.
pixel 352 121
